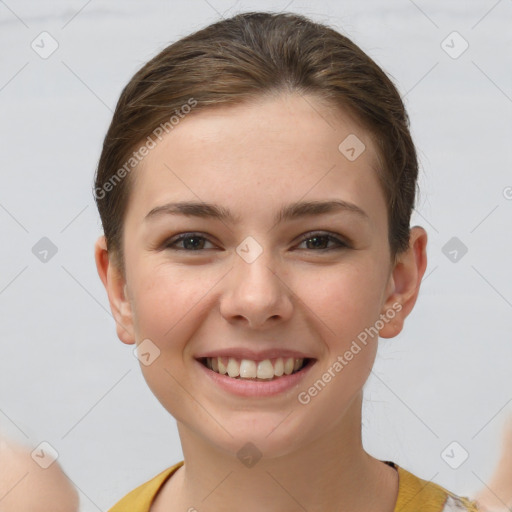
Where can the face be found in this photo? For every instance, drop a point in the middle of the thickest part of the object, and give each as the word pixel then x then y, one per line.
pixel 254 284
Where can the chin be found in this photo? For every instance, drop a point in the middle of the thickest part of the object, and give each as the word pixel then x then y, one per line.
pixel 265 439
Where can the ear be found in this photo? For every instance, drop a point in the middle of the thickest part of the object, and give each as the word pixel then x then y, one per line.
pixel 115 284
pixel 404 283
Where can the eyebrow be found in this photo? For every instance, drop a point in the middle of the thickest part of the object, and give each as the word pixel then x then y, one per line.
pixel 286 213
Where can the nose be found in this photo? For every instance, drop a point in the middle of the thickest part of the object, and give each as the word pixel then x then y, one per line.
pixel 256 294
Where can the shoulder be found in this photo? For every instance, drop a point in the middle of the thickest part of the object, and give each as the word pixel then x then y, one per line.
pixel 31 481
pixel 141 498
pixel 418 495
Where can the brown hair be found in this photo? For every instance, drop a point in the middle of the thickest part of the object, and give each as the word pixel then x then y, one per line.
pixel 243 58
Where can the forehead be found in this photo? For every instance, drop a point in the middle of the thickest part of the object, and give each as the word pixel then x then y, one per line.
pixel 257 153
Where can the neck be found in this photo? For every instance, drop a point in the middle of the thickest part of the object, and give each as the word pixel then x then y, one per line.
pixel 332 472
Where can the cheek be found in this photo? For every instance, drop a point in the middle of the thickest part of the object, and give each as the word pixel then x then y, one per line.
pixel 346 300
pixel 165 311
pixel 163 297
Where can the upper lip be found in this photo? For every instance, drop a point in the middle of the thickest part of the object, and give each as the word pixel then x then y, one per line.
pixel 245 353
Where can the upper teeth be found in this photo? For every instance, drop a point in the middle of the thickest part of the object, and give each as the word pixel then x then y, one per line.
pixel 249 369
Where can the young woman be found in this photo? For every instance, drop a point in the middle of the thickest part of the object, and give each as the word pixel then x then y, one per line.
pixel 255 189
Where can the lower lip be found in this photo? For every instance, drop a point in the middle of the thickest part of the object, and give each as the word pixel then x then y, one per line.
pixel 246 387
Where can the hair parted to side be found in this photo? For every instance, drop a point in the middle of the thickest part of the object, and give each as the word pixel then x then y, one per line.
pixel 242 58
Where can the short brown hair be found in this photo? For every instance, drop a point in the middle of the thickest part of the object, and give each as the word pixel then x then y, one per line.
pixel 242 58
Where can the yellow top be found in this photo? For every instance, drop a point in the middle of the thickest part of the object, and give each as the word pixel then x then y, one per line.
pixel 414 495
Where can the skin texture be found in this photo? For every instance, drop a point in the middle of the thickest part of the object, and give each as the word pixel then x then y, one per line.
pixel 253 159
pixel 26 487
pixel 497 494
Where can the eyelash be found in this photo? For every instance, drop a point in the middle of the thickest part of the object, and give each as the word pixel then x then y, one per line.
pixel 171 243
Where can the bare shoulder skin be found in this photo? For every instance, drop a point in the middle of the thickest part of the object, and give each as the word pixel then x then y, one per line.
pixel 27 487
pixel 496 496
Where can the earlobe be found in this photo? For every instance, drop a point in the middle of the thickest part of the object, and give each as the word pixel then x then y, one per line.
pixel 116 288
pixel 404 283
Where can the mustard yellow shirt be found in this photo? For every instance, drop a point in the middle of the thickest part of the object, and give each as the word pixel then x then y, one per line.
pixel 414 495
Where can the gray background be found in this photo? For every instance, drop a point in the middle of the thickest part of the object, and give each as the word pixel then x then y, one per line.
pixel 66 379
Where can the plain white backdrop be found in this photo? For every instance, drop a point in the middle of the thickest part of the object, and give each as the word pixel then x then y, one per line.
pixel 67 380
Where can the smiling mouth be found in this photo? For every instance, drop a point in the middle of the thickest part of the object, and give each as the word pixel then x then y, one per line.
pixel 265 370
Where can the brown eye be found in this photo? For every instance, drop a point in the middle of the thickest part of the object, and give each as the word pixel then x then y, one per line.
pixel 191 242
pixel 320 240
